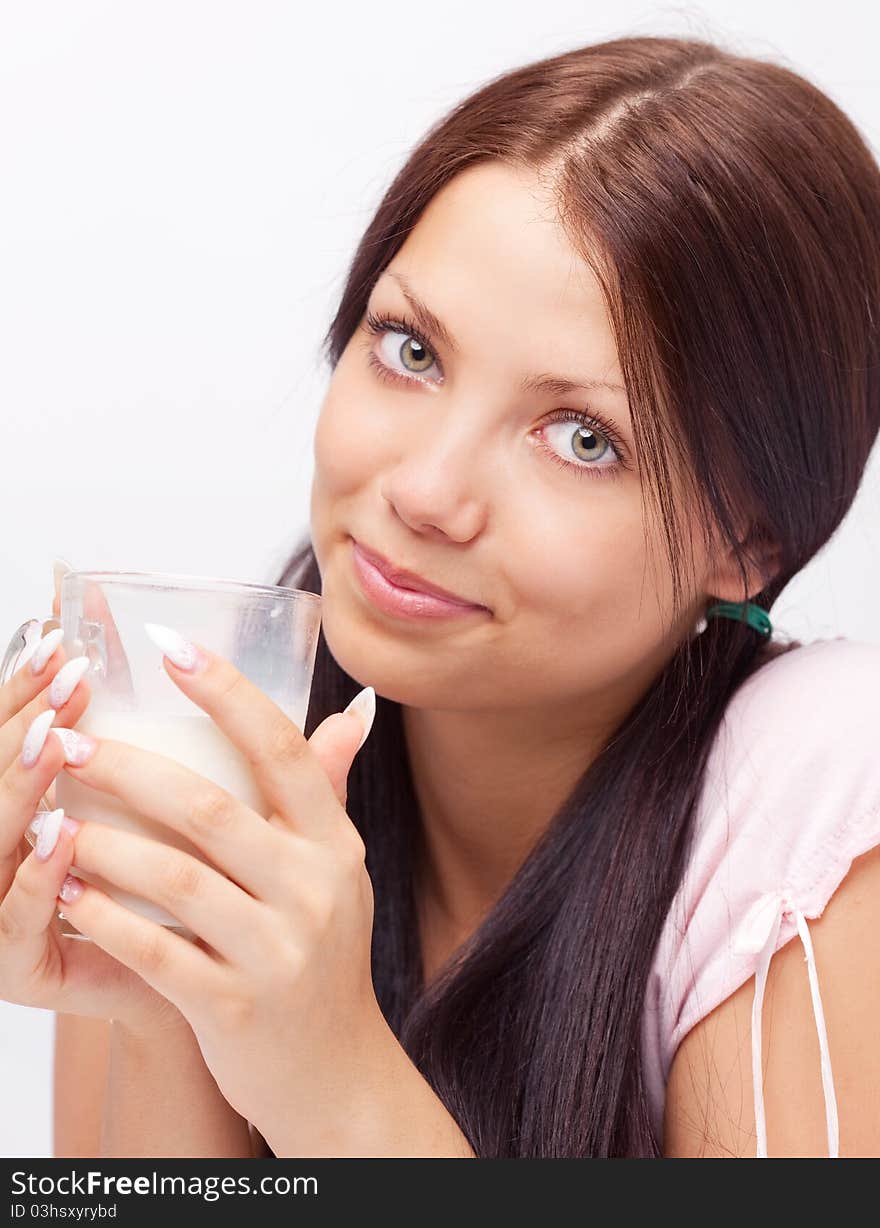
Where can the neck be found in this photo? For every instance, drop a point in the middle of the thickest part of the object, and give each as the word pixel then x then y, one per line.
pixel 487 787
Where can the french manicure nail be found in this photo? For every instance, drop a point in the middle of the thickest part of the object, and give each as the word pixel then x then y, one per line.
pixel 78 747
pixel 69 824
pixel 45 648
pixel 65 681
pixel 47 837
pixel 71 889
pixel 35 737
pixel 179 651
pixel 364 706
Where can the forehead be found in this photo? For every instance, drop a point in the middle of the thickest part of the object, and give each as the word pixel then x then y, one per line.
pixel 489 253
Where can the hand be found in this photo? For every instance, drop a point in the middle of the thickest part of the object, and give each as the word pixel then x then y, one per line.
pixel 278 986
pixel 38 966
pixel 95 608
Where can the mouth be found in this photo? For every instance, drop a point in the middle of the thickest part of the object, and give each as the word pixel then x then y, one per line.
pixel 408 581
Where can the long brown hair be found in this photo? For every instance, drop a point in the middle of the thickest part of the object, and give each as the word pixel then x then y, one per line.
pixel 731 212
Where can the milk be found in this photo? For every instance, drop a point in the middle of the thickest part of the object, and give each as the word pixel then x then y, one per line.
pixel 194 741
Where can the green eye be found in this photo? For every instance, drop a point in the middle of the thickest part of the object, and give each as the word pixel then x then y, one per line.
pixel 590 442
pixel 412 351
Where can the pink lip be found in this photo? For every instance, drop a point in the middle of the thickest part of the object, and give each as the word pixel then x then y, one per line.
pixel 410 601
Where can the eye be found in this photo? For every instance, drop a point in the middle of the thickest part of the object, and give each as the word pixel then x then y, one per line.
pixel 594 445
pixel 413 353
pixel 597 451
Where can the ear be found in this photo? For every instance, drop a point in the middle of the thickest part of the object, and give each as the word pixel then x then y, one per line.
pixel 763 559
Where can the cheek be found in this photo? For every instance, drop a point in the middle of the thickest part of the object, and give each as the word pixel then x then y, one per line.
pixel 335 462
pixel 348 447
pixel 586 561
pixel 592 608
pixel 346 451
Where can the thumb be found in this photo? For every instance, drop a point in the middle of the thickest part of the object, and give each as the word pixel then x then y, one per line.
pixel 338 739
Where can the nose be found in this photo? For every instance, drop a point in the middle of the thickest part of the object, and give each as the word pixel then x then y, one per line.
pixel 436 499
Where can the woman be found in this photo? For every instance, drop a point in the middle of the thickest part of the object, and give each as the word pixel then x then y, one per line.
pixel 606 370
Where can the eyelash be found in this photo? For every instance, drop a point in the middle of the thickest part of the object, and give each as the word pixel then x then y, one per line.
pixel 380 324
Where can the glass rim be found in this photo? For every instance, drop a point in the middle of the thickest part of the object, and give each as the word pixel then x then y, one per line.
pixel 168 579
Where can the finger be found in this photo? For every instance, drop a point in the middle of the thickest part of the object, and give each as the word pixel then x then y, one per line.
pixel 232 922
pixel 93 983
pixel 29 906
pixel 233 837
pixel 27 639
pixel 286 771
pixel 27 682
pixel 21 788
pixel 335 742
pixel 175 967
pixel 14 731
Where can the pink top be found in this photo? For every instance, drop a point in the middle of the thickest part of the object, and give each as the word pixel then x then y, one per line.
pixel 791 796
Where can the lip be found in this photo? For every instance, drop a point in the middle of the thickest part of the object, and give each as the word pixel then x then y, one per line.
pixel 405 593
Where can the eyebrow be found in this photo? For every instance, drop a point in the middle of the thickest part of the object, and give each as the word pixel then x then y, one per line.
pixel 555 384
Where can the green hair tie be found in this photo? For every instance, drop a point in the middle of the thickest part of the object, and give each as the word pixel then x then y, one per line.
pixel 743 611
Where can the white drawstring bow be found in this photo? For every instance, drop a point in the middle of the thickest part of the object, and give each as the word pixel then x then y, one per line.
pixel 757 934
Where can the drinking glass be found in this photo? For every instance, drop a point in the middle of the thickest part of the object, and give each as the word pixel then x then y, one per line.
pixel 268 632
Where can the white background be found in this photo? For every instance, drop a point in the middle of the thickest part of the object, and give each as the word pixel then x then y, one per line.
pixel 183 186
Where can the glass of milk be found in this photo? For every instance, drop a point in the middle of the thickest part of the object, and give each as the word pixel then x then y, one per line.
pixel 267 632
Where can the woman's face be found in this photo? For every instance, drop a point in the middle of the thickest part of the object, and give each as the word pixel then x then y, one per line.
pixel 457 471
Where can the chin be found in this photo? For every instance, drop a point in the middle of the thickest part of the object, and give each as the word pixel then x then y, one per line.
pixel 403 673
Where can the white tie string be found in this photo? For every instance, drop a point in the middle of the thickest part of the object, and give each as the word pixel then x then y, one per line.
pixel 758 933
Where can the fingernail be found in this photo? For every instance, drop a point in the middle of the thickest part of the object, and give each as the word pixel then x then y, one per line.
pixel 45 648
pixel 47 836
pixel 180 652
pixel 69 824
pixel 78 747
pixel 65 681
pixel 364 706
pixel 71 889
pixel 36 736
